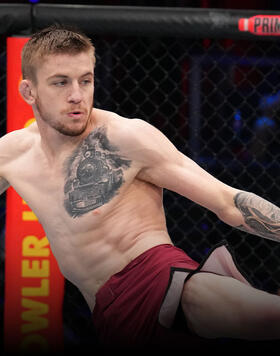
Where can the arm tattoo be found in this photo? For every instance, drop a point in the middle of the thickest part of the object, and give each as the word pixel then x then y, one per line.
pixel 262 218
pixel 94 174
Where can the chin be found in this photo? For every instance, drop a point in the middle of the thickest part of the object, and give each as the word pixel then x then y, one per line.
pixel 73 129
pixel 70 131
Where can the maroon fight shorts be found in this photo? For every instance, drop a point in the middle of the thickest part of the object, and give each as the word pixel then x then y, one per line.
pixel 139 305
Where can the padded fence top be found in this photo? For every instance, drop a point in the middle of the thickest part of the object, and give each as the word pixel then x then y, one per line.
pixel 17 19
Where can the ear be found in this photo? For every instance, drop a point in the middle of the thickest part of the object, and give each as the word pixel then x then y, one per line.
pixel 26 90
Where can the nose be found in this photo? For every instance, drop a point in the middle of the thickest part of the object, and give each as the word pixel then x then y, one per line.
pixel 75 94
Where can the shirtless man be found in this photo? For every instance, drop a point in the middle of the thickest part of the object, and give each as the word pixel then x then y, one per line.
pixel 95 179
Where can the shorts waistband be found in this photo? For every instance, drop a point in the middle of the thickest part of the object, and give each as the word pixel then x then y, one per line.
pixel 135 261
pixel 141 256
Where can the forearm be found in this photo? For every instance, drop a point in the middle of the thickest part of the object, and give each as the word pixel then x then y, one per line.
pixel 260 217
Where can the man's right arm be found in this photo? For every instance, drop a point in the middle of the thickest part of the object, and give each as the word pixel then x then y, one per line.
pixel 4 185
pixel 9 143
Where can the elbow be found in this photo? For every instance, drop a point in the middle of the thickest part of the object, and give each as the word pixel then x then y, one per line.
pixel 227 211
pixel 230 216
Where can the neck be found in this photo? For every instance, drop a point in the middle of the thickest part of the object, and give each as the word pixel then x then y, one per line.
pixel 55 144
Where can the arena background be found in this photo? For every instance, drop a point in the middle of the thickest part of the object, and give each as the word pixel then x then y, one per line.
pixel 212 90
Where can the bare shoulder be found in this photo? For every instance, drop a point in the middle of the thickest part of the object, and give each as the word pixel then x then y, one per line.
pixel 17 142
pixel 110 118
pixel 129 131
pixel 139 141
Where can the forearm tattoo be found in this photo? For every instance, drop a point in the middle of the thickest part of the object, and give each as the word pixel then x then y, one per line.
pixel 94 174
pixel 262 218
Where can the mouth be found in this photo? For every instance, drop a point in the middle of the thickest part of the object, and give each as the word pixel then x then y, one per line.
pixel 75 114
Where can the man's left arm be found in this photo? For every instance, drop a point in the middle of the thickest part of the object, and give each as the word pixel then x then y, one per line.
pixel 165 166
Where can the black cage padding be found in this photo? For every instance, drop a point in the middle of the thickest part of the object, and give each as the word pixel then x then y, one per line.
pixel 129 20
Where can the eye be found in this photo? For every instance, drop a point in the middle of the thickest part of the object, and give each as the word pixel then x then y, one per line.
pixel 86 81
pixel 61 83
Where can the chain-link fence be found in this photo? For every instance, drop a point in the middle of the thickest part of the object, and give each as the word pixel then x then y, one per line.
pixel 218 101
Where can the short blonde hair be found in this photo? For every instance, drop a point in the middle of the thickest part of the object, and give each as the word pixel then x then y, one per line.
pixel 56 39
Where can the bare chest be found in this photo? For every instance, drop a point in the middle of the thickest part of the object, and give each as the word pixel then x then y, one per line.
pixel 91 178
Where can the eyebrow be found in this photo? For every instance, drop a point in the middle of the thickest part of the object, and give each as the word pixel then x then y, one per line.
pixel 63 76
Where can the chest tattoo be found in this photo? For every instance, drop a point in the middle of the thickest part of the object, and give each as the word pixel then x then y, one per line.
pixel 94 174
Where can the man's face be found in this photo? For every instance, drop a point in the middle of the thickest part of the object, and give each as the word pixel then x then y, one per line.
pixel 64 92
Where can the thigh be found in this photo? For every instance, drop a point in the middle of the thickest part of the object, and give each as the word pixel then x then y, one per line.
pixel 220 306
